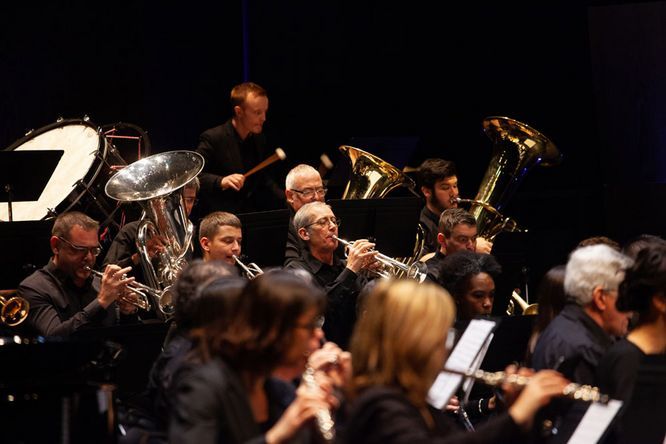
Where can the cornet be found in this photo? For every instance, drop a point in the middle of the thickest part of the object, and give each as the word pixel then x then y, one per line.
pixel 251 270
pixel 14 310
pixel 415 271
pixel 143 292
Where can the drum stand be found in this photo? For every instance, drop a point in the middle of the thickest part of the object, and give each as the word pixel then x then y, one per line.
pixel 25 174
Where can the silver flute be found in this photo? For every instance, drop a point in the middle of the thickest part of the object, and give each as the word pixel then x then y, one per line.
pixel 325 422
pixel 579 392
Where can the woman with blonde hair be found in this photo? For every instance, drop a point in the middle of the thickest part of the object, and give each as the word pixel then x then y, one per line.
pixel 398 348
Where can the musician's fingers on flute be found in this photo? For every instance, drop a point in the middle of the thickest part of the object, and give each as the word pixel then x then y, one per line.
pixel 233 181
pixel 542 387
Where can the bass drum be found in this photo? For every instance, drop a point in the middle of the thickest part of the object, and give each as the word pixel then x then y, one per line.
pixel 88 161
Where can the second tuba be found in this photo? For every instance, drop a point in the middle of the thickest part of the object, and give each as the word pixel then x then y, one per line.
pixel 517 148
pixel 155 182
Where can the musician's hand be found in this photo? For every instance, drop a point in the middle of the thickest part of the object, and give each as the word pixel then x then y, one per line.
pixel 334 362
pixel 360 255
pixel 233 181
pixel 453 405
pixel 543 386
pixel 113 284
pixel 125 302
pixel 303 409
pixel 483 245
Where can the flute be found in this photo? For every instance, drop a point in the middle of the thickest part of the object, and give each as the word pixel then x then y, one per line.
pixel 325 422
pixel 579 392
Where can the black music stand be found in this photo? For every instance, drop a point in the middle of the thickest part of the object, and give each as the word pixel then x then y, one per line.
pixel 391 222
pixel 265 237
pixel 16 185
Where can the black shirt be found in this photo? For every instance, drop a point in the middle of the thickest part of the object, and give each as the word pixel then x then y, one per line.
pixel 225 153
pixel 430 223
pixel 434 265
pixel 60 308
pixel 617 370
pixel 342 287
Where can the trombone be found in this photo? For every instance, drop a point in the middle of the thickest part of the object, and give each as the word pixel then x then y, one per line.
pixel 251 270
pixel 414 271
pixel 143 292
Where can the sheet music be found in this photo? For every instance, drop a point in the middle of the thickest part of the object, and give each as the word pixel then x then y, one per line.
pixel 462 357
pixel 595 422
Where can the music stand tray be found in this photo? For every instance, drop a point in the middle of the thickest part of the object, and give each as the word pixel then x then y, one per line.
pixel 18 186
pixel 265 237
pixel 392 222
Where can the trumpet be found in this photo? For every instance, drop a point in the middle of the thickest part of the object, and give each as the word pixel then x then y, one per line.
pixel 325 422
pixel 143 292
pixel 414 271
pixel 251 270
pixel 579 392
pixel 14 309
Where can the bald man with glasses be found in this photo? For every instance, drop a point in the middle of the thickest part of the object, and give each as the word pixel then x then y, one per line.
pixel 64 297
pixel 342 280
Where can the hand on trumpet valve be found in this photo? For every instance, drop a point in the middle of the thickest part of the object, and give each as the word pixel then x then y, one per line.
pixel 233 181
pixel 361 255
pixel 114 284
pixel 483 245
pixel 128 302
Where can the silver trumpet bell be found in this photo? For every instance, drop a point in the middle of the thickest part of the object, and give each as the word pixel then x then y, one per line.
pixel 155 182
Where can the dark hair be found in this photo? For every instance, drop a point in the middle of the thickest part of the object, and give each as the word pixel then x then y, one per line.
pixel 261 325
pixel 186 294
pixel 210 224
pixel 550 296
pixel 643 280
pixel 458 268
pixel 452 217
pixel 432 170
pixel 64 223
pixel 599 240
pixel 639 242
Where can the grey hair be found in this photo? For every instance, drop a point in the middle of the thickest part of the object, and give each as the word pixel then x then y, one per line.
pixel 301 169
pixel 589 267
pixel 304 215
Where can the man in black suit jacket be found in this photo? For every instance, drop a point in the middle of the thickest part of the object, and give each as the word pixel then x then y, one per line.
pixel 234 148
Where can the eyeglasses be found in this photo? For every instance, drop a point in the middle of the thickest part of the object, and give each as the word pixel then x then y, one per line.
pixel 317 322
pixel 309 193
pixel 95 251
pixel 325 221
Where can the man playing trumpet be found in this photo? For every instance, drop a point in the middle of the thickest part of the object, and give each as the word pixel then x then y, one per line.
pixel 317 226
pixel 63 295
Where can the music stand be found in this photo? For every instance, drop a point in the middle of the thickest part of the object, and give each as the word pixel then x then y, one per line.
pixel 265 237
pixel 392 222
pixel 18 186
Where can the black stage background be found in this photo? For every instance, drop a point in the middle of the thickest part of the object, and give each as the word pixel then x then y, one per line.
pixel 589 75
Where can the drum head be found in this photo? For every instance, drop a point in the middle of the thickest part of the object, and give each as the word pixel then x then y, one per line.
pixel 81 144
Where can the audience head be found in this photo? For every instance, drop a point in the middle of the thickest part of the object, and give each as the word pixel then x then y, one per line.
pixel 303 185
pixel 439 184
pixel 75 244
pixel 401 339
pixel 316 225
pixel 592 278
pixel 644 287
pixel 220 237
pixel 639 242
pixel 457 231
pixel 188 296
pixel 273 323
pixel 470 278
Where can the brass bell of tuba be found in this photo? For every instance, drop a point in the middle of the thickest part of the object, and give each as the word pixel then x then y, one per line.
pixel 517 148
pixel 155 182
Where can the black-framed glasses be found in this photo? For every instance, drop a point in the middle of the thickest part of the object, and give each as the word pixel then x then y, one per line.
pixel 309 193
pixel 95 251
pixel 324 221
pixel 317 322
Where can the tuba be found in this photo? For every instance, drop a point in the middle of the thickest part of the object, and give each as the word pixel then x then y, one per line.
pixel 517 148
pixel 155 183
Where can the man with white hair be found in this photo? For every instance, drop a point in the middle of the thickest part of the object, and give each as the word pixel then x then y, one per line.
pixel 577 338
pixel 303 185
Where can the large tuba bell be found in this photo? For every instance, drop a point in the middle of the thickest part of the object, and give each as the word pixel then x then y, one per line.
pixel 371 177
pixel 155 182
pixel 517 148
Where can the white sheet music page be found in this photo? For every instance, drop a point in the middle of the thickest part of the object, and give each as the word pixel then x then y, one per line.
pixel 461 358
pixel 595 422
